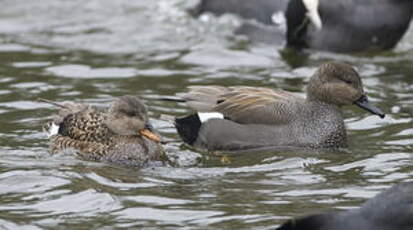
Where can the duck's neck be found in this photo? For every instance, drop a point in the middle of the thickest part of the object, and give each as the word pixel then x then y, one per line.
pixel 324 106
pixel 327 118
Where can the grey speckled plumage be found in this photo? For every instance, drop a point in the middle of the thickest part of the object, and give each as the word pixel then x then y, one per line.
pixel 116 134
pixel 389 210
pixel 261 117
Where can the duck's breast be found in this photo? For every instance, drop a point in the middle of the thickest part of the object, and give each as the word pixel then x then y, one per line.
pixel 134 151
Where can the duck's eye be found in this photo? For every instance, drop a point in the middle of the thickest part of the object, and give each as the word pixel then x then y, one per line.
pixel 348 81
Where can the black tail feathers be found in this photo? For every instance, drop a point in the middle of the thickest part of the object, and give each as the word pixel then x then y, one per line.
pixel 188 128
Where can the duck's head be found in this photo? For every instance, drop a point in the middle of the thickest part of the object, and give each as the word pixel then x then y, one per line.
pixel 128 116
pixel 339 84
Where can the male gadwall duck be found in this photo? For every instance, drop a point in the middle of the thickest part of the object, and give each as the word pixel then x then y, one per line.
pixel 240 118
pixel 119 134
pixel 389 210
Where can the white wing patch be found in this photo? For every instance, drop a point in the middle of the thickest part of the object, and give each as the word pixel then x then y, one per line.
pixel 312 13
pixel 53 130
pixel 278 18
pixel 206 116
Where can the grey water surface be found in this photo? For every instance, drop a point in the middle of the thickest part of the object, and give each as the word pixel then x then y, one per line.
pixel 93 51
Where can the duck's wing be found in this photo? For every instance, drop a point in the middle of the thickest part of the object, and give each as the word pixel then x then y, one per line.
pixel 247 105
pixel 78 121
pixel 86 125
pixel 203 98
pixel 251 105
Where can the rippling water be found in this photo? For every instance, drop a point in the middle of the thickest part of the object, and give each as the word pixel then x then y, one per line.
pixel 96 50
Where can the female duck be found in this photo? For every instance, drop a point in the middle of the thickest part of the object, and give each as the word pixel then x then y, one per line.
pixel 235 118
pixel 119 134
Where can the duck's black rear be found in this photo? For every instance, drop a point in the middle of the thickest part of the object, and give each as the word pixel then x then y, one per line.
pixel 188 127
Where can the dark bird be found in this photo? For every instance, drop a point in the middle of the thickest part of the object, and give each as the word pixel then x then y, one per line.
pixel 330 25
pixel 347 26
pixel 389 210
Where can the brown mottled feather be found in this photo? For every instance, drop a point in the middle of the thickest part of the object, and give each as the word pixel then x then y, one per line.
pixel 85 130
pixel 86 125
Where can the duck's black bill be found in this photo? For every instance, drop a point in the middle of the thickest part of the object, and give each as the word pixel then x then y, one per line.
pixel 364 103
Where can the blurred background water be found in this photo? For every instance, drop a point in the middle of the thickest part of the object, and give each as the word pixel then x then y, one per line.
pixel 93 51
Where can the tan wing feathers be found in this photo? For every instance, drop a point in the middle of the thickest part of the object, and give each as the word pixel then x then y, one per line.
pixel 244 104
pixel 203 98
